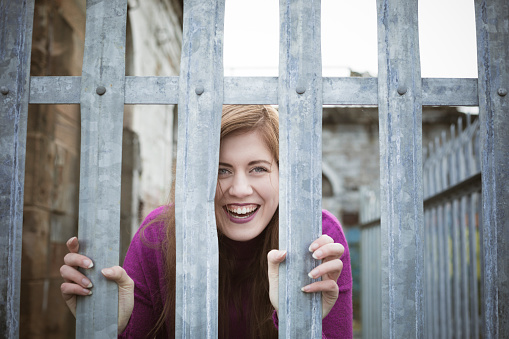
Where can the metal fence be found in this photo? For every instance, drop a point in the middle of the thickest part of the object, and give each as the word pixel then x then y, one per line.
pixel 452 183
pixel 300 91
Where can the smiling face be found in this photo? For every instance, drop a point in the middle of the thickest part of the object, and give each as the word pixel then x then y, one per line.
pixel 247 193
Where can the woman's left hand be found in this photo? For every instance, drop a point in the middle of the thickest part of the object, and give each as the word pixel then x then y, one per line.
pixel 329 252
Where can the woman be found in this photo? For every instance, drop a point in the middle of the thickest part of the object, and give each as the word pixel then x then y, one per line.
pixel 246 205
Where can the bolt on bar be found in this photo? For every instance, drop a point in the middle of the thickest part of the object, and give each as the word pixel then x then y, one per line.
pixel 16 22
pixel 102 110
pixel 300 117
pixel 492 24
pixel 199 123
pixel 400 116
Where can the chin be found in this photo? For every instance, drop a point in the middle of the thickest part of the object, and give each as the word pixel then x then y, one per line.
pixel 239 235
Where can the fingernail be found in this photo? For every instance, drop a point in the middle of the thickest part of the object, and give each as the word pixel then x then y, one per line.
pixel 317 254
pixel 313 274
pixel 107 271
pixel 313 247
pixel 70 240
pixel 88 263
pixel 88 292
pixel 281 255
pixel 305 289
pixel 86 282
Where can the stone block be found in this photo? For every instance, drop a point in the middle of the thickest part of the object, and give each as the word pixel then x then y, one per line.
pixel 34 260
pixel 65 181
pixel 38 171
pixel 31 309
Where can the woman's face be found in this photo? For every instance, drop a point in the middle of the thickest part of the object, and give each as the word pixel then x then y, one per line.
pixel 247 193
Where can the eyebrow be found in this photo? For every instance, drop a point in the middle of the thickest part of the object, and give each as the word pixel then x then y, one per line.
pixel 251 163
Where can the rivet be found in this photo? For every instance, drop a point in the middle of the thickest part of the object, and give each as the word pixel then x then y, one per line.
pixel 502 92
pixel 4 90
pixel 199 90
pixel 100 90
pixel 300 89
pixel 402 90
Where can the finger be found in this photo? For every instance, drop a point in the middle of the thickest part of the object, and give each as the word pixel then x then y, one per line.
pixel 274 258
pixel 118 275
pixel 322 286
pixel 73 245
pixel 69 290
pixel 72 275
pixel 327 270
pixel 329 251
pixel 78 260
pixel 322 240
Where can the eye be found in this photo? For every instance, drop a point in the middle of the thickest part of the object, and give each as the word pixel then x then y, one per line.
pixel 223 172
pixel 259 169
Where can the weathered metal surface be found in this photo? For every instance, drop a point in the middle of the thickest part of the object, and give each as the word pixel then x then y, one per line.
pixel 300 118
pixel 199 121
pixel 400 117
pixel 371 280
pixel 101 160
pixel 449 92
pixel 492 25
pixel 254 90
pixel 16 21
pixel 55 89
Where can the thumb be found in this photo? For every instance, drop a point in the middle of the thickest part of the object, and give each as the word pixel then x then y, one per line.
pixel 274 258
pixel 118 275
pixel 125 294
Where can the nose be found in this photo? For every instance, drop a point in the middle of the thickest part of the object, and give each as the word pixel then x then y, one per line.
pixel 240 187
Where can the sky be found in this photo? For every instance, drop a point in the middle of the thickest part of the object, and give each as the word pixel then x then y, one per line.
pixel 349 38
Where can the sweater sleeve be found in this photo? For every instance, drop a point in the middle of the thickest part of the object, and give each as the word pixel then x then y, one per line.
pixel 144 264
pixel 338 323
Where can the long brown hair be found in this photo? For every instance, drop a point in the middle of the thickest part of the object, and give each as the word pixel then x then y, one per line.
pixel 236 119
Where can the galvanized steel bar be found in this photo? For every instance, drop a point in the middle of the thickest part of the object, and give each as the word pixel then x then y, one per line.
pixel 300 116
pixel 464 268
pixel 400 116
pixel 492 22
pixel 199 120
pixel 102 109
pixel 472 236
pixel 152 90
pixel 16 22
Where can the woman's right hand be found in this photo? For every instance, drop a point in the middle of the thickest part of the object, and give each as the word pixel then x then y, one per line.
pixel 77 283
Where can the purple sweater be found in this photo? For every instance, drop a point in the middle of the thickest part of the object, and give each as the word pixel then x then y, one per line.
pixel 144 263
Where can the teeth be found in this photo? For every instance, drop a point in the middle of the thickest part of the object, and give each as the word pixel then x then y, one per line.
pixel 242 210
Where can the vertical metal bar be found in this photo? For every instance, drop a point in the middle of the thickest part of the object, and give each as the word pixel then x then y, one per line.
pixel 199 123
pixel 435 270
pixel 442 248
pixel 474 286
pixel 462 139
pixel 102 109
pixel 455 237
pixel 300 116
pixel 428 271
pixel 400 116
pixel 364 279
pixel 378 282
pixel 16 22
pixel 464 267
pixel 492 21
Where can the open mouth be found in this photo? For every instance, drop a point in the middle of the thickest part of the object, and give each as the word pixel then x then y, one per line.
pixel 241 212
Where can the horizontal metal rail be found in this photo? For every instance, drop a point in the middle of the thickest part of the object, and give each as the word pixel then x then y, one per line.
pixel 152 90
